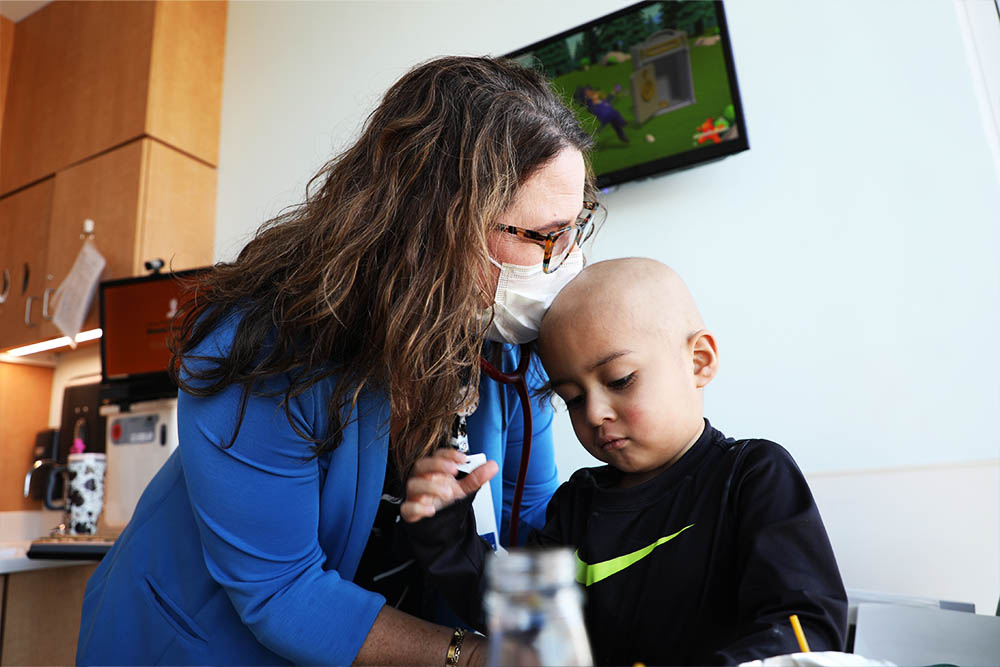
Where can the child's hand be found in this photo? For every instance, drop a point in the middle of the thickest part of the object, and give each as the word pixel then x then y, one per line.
pixel 432 484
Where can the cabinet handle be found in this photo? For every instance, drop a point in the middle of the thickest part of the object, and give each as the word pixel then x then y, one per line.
pixel 27 276
pixel 6 285
pixel 27 311
pixel 45 302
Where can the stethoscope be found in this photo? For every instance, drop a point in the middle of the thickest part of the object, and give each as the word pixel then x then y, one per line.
pixel 517 378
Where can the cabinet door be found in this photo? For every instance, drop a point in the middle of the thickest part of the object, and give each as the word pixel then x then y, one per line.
pixel 6 51
pixel 42 615
pixel 24 220
pixel 178 216
pixel 105 189
pixel 86 76
pixel 147 201
pixel 185 77
pixel 79 84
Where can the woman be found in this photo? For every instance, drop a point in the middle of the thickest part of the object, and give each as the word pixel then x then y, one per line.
pixel 336 350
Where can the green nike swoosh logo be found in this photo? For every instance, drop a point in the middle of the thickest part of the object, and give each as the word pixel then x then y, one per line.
pixel 587 574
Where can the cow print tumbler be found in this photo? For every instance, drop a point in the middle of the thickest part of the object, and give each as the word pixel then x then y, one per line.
pixel 85 491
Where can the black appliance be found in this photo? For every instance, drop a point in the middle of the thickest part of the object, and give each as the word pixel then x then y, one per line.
pixel 46 457
pixel 80 419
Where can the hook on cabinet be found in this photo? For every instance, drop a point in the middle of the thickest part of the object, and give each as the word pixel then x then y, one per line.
pixel 88 229
pixel 27 311
pixel 45 302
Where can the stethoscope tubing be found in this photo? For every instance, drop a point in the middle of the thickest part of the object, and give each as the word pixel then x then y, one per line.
pixel 518 379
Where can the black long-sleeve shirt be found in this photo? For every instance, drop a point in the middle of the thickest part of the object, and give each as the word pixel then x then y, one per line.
pixel 701 565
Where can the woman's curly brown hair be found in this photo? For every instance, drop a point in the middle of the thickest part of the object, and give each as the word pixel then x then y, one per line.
pixel 378 277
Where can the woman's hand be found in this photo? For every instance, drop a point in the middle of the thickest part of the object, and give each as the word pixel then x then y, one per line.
pixel 433 484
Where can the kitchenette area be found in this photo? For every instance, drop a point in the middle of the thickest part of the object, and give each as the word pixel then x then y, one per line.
pixel 109 142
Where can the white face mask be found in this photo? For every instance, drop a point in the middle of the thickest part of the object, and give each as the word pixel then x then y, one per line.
pixel 523 295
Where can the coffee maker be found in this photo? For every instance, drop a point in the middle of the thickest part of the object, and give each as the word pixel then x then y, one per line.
pixel 80 423
pixel 46 458
pixel 139 441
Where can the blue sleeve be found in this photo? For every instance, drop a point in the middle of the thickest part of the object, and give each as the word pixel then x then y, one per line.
pixel 542 479
pixel 257 506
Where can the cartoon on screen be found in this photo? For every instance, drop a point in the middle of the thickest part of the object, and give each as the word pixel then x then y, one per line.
pixel 647 83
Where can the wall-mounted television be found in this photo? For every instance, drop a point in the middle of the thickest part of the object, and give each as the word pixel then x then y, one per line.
pixel 654 82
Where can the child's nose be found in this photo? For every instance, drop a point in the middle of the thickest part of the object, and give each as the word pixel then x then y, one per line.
pixel 599 411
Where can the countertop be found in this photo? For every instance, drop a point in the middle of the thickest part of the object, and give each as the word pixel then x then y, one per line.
pixel 17 530
pixel 13 559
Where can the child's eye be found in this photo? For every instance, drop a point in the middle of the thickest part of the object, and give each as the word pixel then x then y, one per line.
pixel 574 402
pixel 622 383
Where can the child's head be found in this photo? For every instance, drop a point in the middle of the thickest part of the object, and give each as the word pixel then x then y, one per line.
pixel 626 349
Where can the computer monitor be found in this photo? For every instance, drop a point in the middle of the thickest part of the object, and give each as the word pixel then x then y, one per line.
pixel 136 316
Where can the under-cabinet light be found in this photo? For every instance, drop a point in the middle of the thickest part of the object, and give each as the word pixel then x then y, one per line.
pixel 54 343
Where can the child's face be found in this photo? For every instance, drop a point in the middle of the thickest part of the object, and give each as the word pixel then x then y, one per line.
pixel 632 391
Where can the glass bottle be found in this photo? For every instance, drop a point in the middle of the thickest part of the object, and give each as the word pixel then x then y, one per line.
pixel 534 610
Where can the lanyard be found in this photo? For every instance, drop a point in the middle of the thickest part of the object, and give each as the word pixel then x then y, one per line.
pixel 517 378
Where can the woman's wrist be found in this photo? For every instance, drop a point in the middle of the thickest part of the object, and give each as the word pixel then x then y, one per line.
pixel 473 650
pixel 397 638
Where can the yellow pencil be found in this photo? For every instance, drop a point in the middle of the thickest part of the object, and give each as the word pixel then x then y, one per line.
pixel 797 627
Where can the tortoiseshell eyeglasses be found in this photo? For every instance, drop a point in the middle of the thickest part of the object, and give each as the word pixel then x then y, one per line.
pixel 560 243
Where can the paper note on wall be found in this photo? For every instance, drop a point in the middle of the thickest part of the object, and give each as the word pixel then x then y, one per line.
pixel 75 294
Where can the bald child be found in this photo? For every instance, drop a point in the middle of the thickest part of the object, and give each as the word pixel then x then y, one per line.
pixel 693 548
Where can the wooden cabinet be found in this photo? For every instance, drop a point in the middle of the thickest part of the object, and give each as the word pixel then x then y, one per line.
pixel 86 77
pixel 111 113
pixel 188 48
pixel 147 200
pixel 24 232
pixel 6 51
pixel 41 615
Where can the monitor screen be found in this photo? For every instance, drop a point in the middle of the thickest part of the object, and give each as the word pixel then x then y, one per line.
pixel 136 315
pixel 655 84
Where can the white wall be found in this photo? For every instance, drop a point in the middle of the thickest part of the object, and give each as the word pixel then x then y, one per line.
pixel 928 531
pixel 847 262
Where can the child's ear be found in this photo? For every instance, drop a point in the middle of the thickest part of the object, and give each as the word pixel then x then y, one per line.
pixel 704 356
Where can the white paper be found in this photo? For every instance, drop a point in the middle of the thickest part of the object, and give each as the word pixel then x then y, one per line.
pixel 482 505
pixel 818 659
pixel 75 294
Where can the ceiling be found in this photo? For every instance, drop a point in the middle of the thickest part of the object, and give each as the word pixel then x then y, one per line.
pixel 16 10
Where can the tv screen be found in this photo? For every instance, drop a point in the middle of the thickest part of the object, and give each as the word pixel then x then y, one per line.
pixel 654 83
